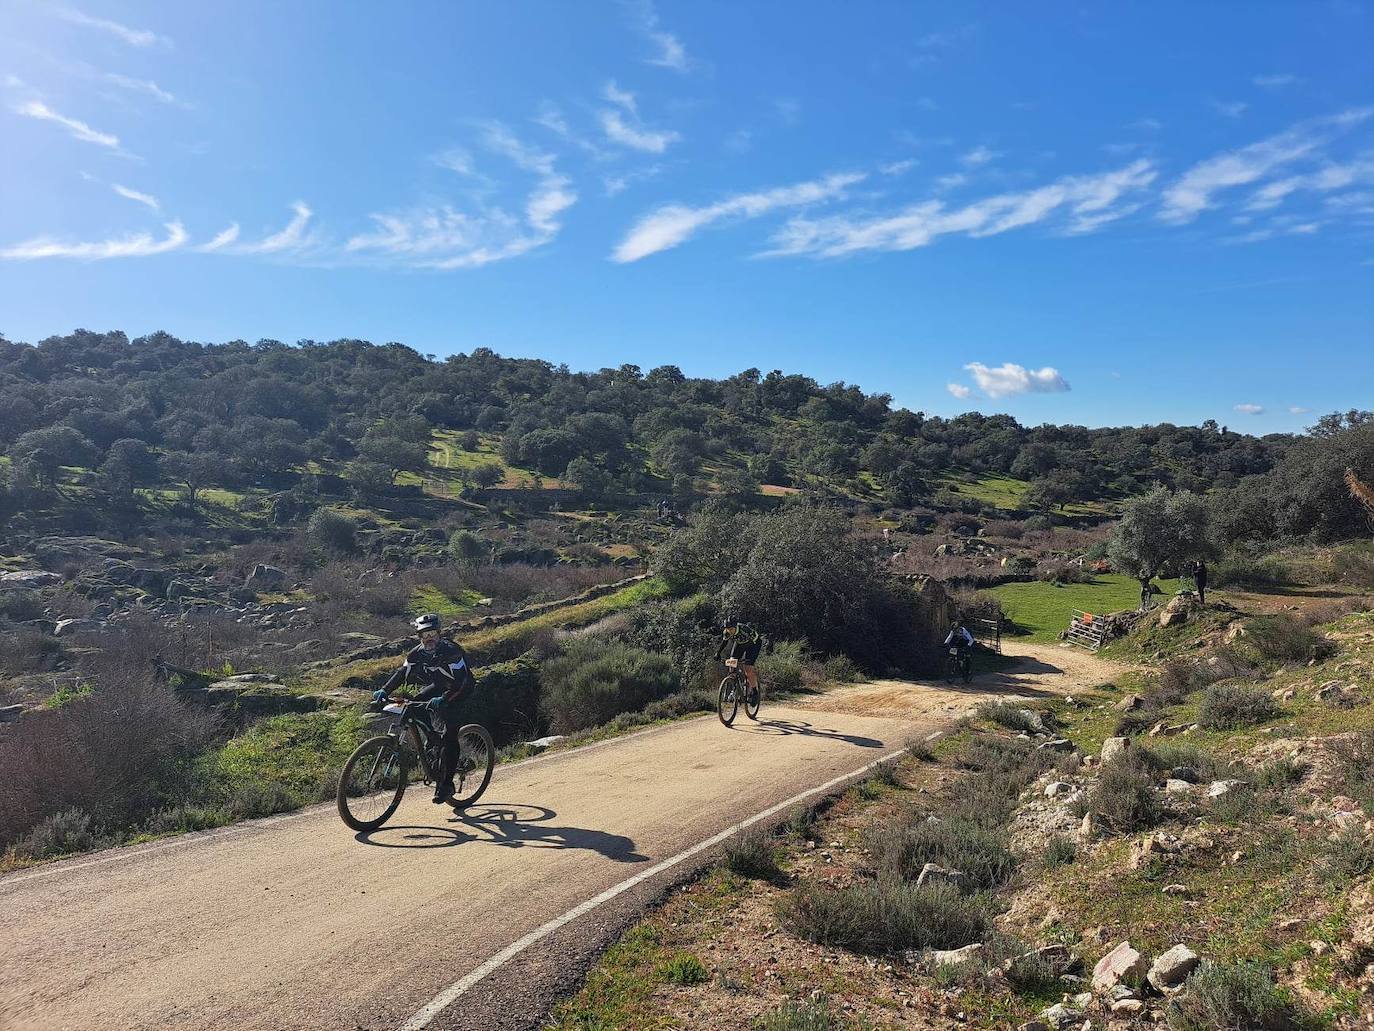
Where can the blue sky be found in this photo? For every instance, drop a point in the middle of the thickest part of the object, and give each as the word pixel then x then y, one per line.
pixel 1098 214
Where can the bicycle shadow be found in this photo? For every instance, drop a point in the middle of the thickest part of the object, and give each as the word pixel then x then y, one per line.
pixel 785 728
pixel 420 837
pixel 520 825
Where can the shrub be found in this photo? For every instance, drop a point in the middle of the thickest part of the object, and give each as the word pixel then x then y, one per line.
pixel 596 680
pixel 1232 706
pixel 1248 571
pixel 921 749
pixel 1241 995
pixel 1059 851
pixel 812 1015
pixel 1348 855
pixel 802 823
pixel 981 852
pixel 679 704
pixel 682 968
pixel 750 854
pixel 782 669
pixel 1124 797
pixel 883 917
pixel 21 605
pixel 1282 638
pixel 28 651
pixel 1168 755
pixel 1355 760
pixel 59 834
pixel 841 669
pixel 1280 773
pixel 388 598
pixel 332 530
pixel 1012 716
pixel 466 548
pixel 974 605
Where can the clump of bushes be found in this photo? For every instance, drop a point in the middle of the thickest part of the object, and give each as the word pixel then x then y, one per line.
pixel 1251 571
pixel 1233 706
pixel 1355 759
pixel 1282 638
pixel 1059 851
pixel 594 680
pixel 1124 797
pixel 1012 716
pixel 841 669
pixel 683 968
pixel 958 844
pixel 811 1015
pixel 883 916
pixel 332 530
pixel 782 669
pixel 1240 995
pixel 751 854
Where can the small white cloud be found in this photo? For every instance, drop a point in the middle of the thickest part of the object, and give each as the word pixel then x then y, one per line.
pixel 950 182
pixel 959 390
pixel 1231 109
pixel 134 37
pixel 619 131
pixel 1010 379
pixel 671 53
pixel 146 199
pixel 673 224
pixel 146 86
pixel 138 245
pixel 1274 81
pixel 82 131
pixel 289 238
pixel 551 118
pixel 456 159
pixel 979 156
pixel 1249 409
pixel 1298 410
pixel 898 167
pixel 222 240
pixel 619 97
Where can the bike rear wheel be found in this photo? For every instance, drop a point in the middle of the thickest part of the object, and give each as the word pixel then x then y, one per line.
pixel 727 702
pixel 372 783
pixel 476 760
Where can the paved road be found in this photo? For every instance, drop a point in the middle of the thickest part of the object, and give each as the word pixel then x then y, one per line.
pixel 294 922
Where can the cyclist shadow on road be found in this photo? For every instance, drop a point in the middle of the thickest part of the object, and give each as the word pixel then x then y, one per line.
pixel 785 728
pixel 517 825
pixel 413 837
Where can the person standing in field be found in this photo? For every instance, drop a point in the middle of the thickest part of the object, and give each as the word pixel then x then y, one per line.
pixel 1200 578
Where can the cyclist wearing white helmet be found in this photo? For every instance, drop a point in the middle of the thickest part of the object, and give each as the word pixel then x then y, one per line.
pixel 442 667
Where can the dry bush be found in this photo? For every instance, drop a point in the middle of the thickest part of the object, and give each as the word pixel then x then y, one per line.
pixel 1282 638
pixel 1233 706
pixel 883 917
pixel 1124 797
pixel 28 651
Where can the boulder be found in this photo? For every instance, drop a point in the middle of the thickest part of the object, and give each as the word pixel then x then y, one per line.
pixel 1122 964
pixel 541 743
pixel 1223 788
pixel 67 627
pixel 266 578
pixel 1180 606
pixel 1056 788
pixel 1058 744
pixel 954 957
pixel 1114 747
pixel 1171 969
pixel 932 873
pixel 1187 773
pixel 30 578
pixel 1173 786
pixel 1061 1016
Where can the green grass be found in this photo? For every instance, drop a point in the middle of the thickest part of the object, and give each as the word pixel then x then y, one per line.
pixel 428 598
pixel 1041 610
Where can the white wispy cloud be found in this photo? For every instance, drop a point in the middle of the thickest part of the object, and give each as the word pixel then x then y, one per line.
pixel 222 240
pixel 82 131
pixel 291 237
pixel 145 86
pixel 951 181
pixel 1231 108
pixel 979 156
pixel 1089 201
pixel 618 130
pixel 1009 379
pixel 619 97
pixel 898 167
pixel 551 118
pixel 444 237
pixel 146 199
pixel 673 224
pixel 1324 180
pixel 138 245
pixel 1274 81
pixel 670 51
pixel 1193 192
pixel 1249 409
pixel 959 390
pixel 1298 410
pixel 134 37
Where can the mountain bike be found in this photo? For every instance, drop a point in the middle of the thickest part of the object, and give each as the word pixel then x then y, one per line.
pixel 377 773
pixel 959 663
pixel 735 688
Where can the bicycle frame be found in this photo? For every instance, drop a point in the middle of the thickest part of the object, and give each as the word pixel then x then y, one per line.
pixel 410 730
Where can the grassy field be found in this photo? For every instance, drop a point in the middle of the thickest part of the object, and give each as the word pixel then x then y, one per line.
pixel 1041 610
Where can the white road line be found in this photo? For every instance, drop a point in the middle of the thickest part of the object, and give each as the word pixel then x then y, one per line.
pixel 450 994
pixel 250 826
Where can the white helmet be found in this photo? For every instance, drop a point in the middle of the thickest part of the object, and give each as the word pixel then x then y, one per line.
pixel 429 621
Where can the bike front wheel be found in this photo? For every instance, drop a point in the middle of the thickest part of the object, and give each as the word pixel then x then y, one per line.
pixel 372 783
pixel 476 760
pixel 753 698
pixel 727 702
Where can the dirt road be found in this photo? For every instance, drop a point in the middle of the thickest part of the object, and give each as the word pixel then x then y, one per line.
pixel 441 920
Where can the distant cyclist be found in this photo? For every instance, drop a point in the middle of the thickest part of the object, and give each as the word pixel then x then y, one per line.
pixel 743 643
pixel 442 667
pixel 959 636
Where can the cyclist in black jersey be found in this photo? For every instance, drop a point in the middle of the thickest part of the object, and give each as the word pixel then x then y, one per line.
pixel 442 667
pixel 744 643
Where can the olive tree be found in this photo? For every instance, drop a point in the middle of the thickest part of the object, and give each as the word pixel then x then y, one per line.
pixel 1159 531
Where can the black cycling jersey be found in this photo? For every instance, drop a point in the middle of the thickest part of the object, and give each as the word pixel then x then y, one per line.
pixel 443 671
pixel 745 644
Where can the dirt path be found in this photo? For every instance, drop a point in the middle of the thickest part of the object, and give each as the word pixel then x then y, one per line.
pixel 294 922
